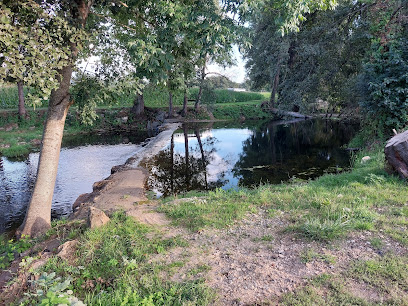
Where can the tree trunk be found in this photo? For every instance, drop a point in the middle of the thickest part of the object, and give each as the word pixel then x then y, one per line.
pixel 187 174
pixel 170 104
pixel 138 105
pixel 275 86
pixel 200 90
pixel 22 112
pixel 38 217
pixel 184 111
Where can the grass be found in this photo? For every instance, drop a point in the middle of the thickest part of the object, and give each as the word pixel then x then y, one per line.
pixel 327 208
pixel 248 110
pixel 221 208
pixel 310 255
pixel 380 281
pixel 114 267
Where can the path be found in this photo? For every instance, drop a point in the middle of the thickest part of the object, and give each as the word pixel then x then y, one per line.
pixel 125 189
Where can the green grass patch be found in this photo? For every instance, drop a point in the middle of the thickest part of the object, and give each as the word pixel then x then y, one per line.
pixel 221 208
pixel 236 111
pixel 381 281
pixel 389 274
pixel 114 268
pixel 324 209
pixel 310 255
pixel 323 290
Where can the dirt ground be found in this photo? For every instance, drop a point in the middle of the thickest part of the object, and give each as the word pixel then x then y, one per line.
pixel 255 261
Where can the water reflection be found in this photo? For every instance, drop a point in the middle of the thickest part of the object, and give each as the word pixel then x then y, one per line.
pixel 206 157
pixel 83 161
pixel 172 172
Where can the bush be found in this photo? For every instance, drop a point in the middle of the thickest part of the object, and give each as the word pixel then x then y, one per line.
pixel 387 79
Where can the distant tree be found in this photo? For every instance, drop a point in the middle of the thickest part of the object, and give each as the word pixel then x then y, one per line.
pixel 221 82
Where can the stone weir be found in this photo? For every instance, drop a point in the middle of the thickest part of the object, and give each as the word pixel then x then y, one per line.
pixel 125 187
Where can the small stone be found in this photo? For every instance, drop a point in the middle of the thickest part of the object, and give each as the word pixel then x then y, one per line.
pixel 67 250
pixel 365 159
pixel 96 218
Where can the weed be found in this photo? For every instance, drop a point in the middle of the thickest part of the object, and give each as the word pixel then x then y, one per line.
pixel 265 238
pixel 9 248
pixel 116 268
pixel 376 243
pixel 310 255
pixel 199 269
pixel 51 290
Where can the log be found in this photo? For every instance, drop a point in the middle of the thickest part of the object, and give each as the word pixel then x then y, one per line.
pixel 289 114
pixel 396 154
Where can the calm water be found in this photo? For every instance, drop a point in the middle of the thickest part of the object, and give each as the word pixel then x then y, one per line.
pixel 83 161
pixel 227 156
pixel 199 157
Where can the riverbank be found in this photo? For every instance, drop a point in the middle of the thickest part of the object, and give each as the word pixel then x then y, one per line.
pixel 338 239
pixel 19 138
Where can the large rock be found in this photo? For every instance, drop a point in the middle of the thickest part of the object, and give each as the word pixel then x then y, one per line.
pixel 96 217
pixel 82 199
pixel 396 153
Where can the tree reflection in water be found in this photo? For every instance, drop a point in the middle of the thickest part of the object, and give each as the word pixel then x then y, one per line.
pixel 305 149
pixel 209 157
pixel 174 172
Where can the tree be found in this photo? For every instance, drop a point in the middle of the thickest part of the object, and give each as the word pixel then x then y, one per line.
pixel 59 28
pixel 31 51
pixel 321 61
pixel 38 216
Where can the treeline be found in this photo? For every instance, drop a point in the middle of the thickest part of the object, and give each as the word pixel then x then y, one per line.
pixel 154 96
pixel 352 57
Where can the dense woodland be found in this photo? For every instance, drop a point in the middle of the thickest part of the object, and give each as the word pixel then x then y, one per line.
pixel 352 57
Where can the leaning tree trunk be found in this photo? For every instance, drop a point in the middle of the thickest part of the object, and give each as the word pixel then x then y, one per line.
pixel 138 106
pixel 396 153
pixel 38 216
pixel 185 102
pixel 22 112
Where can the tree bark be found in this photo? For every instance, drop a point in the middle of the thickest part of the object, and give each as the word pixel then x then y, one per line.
pixel 22 112
pixel 170 104
pixel 200 90
pixel 184 111
pixel 138 105
pixel 38 217
pixel 275 85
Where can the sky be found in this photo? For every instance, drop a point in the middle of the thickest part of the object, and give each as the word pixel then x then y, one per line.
pixel 235 73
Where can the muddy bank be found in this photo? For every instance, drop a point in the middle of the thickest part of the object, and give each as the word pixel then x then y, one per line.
pixel 125 187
